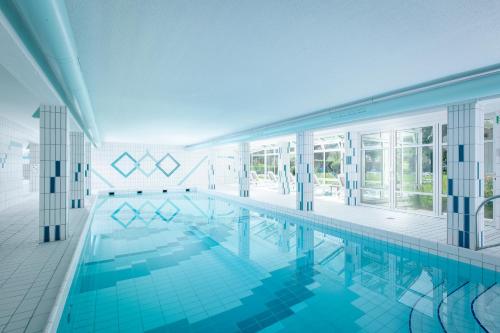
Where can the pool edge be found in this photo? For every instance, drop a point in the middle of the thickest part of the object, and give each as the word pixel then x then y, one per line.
pixel 62 295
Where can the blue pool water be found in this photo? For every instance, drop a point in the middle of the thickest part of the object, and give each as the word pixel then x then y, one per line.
pixel 192 263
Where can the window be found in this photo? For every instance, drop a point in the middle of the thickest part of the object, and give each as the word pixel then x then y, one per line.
pixel 414 169
pixel 375 168
pixel 489 173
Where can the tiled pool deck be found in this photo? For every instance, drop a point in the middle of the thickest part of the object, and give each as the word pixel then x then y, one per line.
pixel 31 273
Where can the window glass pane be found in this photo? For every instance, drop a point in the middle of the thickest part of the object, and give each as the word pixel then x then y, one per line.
pixel 375 197
pixel 333 161
pixel 488 129
pixel 376 140
pixel 329 146
pixel 488 192
pixel 292 164
pixel 318 147
pixel 413 201
pixel 444 171
pixel 488 158
pixel 373 169
pixel 444 133
pixel 414 136
pixel 272 166
pixel 319 166
pixel 257 164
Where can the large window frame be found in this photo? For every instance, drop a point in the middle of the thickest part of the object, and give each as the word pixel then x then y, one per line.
pixel 390 189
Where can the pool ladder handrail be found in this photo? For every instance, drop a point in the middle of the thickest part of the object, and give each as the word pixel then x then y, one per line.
pixel 485 201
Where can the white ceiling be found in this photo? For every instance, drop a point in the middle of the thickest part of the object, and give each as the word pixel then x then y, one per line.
pixel 183 71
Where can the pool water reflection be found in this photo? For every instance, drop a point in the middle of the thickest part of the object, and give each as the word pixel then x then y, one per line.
pixel 193 263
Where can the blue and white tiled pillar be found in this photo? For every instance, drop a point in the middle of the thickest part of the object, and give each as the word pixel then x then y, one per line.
pixel 496 169
pixel 212 156
pixel 244 169
pixel 76 166
pixel 53 217
pixel 465 175
pixel 284 167
pixel 305 170
pixel 351 168
pixel 87 169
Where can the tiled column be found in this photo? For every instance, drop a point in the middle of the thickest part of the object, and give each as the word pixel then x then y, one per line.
pixel 34 167
pixel 86 169
pixel 284 167
pixel 53 173
pixel 211 169
pixel 244 233
pixel 351 168
pixel 496 168
pixel 76 180
pixel 305 170
pixel 244 169
pixel 465 174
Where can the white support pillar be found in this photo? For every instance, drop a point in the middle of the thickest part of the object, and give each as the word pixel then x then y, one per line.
pixel 87 172
pixel 76 183
pixel 284 167
pixel 305 170
pixel 212 156
pixel 496 169
pixel 352 149
pixel 465 175
pixel 34 167
pixel 53 219
pixel 244 169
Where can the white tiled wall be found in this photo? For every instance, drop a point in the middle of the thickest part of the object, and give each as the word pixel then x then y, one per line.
pixel 145 166
pixel 13 137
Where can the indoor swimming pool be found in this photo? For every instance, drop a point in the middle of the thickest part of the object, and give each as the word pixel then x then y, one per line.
pixel 188 262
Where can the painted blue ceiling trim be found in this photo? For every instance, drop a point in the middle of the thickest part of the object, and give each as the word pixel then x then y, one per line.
pixel 476 84
pixel 44 30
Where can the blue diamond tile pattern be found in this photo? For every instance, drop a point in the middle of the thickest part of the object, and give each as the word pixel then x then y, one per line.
pixel 125 164
pixel 125 170
pixel 168 165
pixel 147 164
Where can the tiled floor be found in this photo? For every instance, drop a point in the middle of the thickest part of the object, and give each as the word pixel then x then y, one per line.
pixel 409 224
pixel 31 273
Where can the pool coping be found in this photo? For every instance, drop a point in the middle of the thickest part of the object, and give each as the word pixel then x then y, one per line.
pixel 58 307
pixel 478 259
